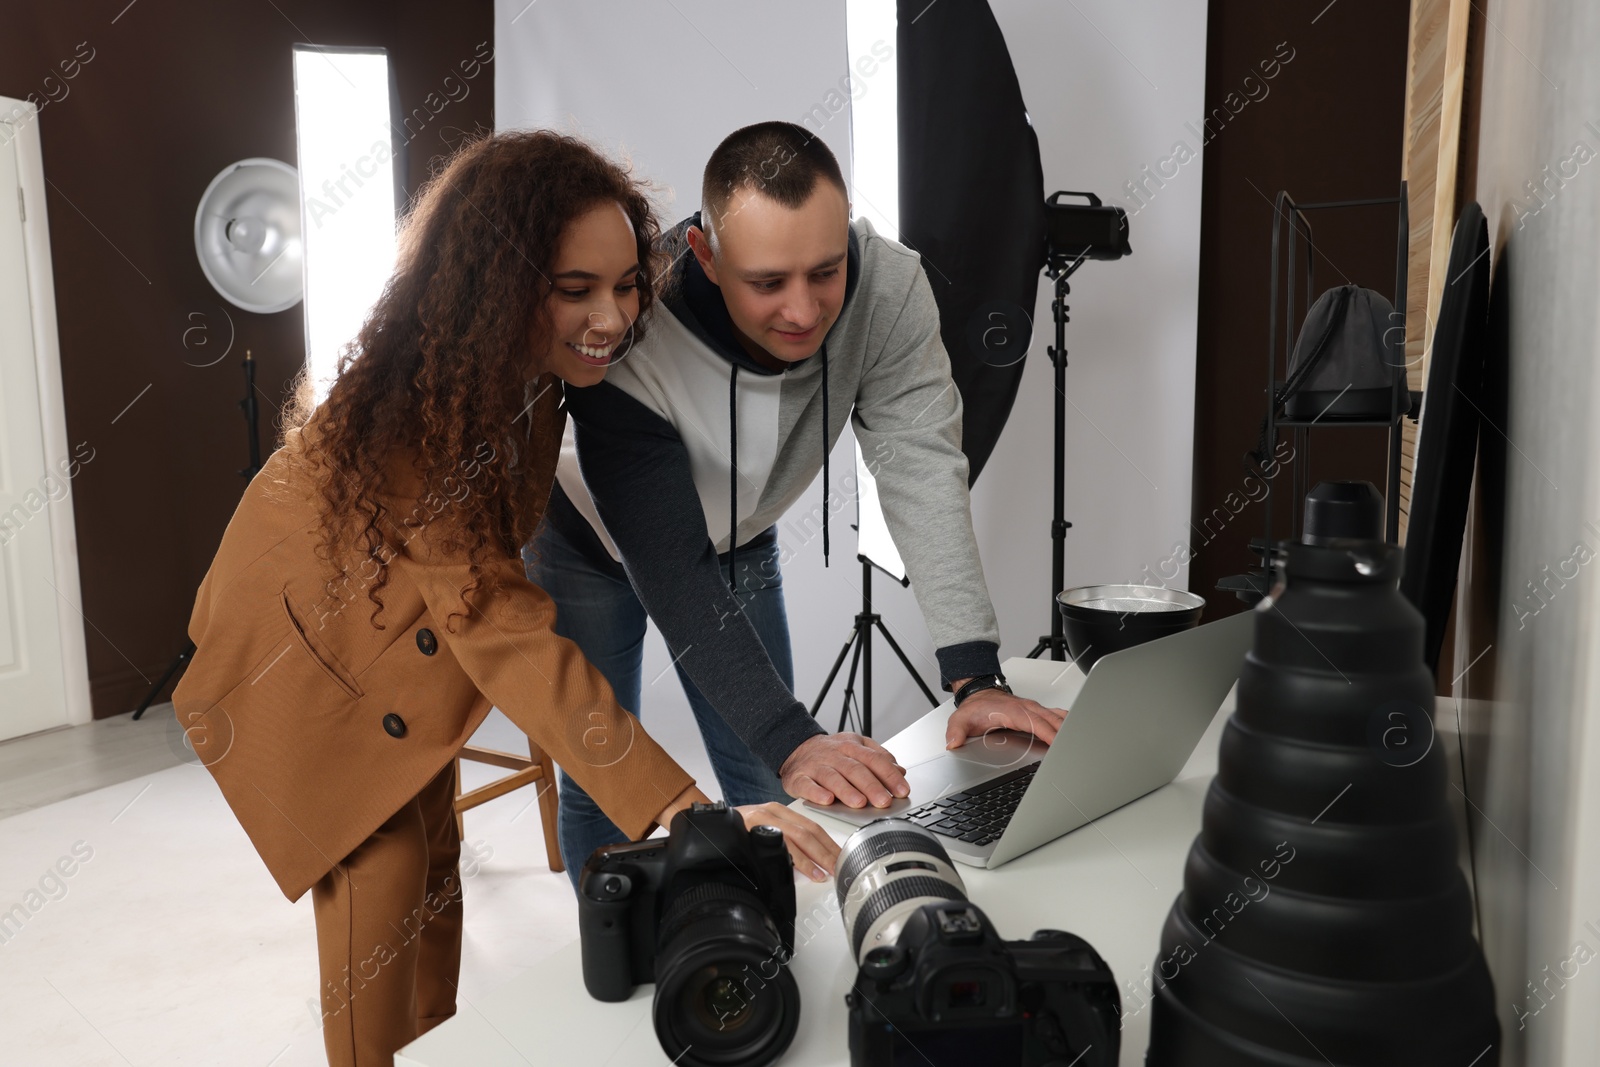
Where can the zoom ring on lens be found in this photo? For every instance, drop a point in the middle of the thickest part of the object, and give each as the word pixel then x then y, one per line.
pixel 873 848
pixel 892 895
pixel 734 911
pixel 696 898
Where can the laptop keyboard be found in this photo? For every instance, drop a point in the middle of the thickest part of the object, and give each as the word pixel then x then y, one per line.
pixel 978 815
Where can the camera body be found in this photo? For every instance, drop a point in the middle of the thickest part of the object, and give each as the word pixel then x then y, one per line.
pixel 949 991
pixel 625 891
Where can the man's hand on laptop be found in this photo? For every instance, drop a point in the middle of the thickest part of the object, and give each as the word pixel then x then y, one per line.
pixel 995 709
pixel 850 768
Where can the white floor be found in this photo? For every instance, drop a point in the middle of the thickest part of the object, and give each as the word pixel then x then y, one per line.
pixel 169 944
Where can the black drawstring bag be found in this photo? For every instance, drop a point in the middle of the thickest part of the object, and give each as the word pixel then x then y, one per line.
pixel 1346 362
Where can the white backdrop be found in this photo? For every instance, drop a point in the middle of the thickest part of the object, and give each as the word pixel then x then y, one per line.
pixel 1109 87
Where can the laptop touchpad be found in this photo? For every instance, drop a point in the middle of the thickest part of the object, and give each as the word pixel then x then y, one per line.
pixel 1002 748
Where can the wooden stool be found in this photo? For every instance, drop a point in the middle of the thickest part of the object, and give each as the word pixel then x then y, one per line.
pixel 534 767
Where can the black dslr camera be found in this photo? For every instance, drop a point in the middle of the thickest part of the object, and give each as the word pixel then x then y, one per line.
pixel 707 915
pixel 950 992
pixel 936 985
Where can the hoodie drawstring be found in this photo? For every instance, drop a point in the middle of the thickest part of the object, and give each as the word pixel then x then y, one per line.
pixel 733 469
pixel 824 455
pixel 733 477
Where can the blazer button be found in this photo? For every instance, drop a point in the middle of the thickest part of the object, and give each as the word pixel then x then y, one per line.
pixel 394 725
pixel 426 642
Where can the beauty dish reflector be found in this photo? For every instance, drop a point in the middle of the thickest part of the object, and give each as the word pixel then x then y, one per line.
pixel 247 235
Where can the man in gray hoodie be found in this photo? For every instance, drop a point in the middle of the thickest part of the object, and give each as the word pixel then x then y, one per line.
pixel 780 319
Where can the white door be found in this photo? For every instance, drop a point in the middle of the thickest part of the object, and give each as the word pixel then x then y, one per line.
pixel 34 478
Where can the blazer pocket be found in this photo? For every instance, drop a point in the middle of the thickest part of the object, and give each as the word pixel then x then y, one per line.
pixel 324 660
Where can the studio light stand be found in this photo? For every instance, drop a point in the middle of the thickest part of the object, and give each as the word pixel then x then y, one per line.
pixel 860 641
pixel 251 417
pixel 1076 232
pixel 1060 269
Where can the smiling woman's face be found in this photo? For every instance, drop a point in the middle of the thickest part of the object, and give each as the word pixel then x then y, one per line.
pixel 595 298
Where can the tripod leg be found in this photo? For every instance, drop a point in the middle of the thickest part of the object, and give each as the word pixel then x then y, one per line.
pixel 155 690
pixel 837 663
pixel 865 703
pixel 1056 646
pixel 850 685
pixel 887 636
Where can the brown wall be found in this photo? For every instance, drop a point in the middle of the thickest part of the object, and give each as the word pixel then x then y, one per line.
pixel 177 90
pixel 171 93
pixel 1329 129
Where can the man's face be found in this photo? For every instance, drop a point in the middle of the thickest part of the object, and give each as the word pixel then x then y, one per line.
pixel 781 269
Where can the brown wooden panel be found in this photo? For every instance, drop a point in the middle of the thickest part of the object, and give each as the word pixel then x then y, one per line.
pixel 1435 75
pixel 174 92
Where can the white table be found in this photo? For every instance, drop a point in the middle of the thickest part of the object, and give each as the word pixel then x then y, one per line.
pixel 1111 882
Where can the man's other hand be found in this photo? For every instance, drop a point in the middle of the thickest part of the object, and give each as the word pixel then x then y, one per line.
pixel 993 709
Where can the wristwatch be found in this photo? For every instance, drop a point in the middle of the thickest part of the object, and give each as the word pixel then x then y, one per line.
pixel 979 683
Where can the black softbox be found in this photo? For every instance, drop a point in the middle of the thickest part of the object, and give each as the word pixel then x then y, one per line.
pixel 971 202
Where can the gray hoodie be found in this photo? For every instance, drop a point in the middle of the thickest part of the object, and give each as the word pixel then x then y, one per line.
pixel 689 449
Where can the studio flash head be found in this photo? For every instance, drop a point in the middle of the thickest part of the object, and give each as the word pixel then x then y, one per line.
pixel 1084 231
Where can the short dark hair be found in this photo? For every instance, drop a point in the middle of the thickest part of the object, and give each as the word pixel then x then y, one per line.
pixel 778 159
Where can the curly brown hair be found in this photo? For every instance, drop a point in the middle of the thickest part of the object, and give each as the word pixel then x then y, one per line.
pixel 438 373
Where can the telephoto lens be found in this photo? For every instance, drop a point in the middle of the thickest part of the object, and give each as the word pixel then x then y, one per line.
pixel 887 870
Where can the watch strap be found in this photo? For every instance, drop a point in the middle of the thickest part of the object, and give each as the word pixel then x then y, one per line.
pixel 979 684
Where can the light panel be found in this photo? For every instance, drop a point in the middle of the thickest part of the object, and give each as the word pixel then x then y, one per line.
pixel 874 114
pixel 875 193
pixel 347 194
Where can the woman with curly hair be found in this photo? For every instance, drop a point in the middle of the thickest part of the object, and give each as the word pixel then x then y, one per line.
pixel 368 603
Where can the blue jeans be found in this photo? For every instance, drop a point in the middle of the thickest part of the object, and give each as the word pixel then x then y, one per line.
pixel 598 611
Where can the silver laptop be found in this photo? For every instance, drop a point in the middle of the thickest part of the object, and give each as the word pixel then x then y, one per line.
pixel 1132 724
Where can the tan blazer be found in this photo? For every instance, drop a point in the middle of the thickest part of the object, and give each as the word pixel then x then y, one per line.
pixel 318 726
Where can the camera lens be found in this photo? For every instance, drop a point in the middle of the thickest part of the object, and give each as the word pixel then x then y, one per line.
pixel 887 870
pixel 724 994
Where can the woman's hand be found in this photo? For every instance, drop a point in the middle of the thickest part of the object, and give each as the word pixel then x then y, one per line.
pixel 814 853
